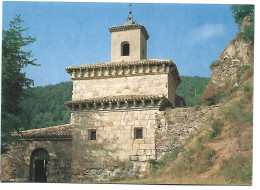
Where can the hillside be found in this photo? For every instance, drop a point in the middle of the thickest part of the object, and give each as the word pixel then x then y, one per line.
pixel 46 107
pixel 188 87
pixel 220 152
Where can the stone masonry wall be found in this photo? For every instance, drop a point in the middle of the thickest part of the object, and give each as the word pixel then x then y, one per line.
pixel 137 44
pixel 109 87
pixel 115 154
pixel 174 125
pixel 16 163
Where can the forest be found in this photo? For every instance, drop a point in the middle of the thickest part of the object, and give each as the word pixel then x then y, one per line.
pixel 45 107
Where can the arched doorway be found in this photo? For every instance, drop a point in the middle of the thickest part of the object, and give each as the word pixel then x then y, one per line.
pixel 39 165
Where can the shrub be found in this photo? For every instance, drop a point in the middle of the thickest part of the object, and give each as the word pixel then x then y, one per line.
pixel 214 64
pixel 234 89
pixel 154 164
pixel 248 88
pixel 216 126
pixel 209 94
pixel 238 111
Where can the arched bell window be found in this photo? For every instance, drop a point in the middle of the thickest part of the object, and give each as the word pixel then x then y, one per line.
pixel 125 49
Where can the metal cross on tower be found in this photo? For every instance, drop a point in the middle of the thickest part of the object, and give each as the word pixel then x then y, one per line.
pixel 130 16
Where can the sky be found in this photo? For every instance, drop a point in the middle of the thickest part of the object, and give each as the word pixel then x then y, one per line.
pixel 76 33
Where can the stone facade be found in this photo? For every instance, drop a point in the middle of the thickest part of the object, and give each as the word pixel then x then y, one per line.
pixel 115 147
pixel 135 35
pixel 136 85
pixel 16 165
pixel 158 77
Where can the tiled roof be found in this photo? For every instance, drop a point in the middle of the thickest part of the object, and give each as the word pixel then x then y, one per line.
pixel 119 98
pixel 119 102
pixel 130 27
pixel 55 132
pixel 126 63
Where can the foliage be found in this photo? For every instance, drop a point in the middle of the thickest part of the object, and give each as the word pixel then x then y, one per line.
pixel 214 64
pixel 239 12
pixel 216 127
pixel 15 84
pixel 188 87
pixel 211 95
pixel 14 81
pixel 46 107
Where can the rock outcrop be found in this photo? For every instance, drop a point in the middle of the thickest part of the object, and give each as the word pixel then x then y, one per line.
pixel 227 70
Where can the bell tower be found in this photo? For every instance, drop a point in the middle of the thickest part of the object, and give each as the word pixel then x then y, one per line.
pixel 128 42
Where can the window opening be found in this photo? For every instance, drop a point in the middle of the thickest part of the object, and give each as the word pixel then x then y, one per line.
pixel 138 133
pixel 125 49
pixel 92 135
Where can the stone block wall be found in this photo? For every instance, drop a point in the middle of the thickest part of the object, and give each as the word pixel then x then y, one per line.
pixel 137 45
pixel 115 153
pixel 122 86
pixel 15 165
pixel 174 125
pixel 171 90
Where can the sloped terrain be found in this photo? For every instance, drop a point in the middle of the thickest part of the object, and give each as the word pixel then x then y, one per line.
pixel 220 152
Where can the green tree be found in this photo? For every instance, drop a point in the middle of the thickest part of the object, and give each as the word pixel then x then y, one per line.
pixel 15 84
pixel 239 12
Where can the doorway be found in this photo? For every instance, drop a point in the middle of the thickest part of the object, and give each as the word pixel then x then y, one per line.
pixel 39 165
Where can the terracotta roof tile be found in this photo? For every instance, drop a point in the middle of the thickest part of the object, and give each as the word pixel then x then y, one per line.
pixel 130 27
pixel 126 63
pixel 61 131
pixel 123 97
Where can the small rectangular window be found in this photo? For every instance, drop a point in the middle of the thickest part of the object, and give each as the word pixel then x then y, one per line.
pixel 139 133
pixel 125 49
pixel 92 135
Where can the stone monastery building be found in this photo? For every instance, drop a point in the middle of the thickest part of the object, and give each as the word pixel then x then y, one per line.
pixel 116 123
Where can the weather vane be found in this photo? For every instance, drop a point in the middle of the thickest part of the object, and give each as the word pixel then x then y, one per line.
pixel 130 5
pixel 130 16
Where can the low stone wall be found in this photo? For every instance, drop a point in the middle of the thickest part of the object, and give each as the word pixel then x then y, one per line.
pixel 174 125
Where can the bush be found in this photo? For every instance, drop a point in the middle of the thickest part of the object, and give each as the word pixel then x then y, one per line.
pixel 154 164
pixel 248 88
pixel 209 94
pixel 239 113
pixel 214 64
pixel 216 126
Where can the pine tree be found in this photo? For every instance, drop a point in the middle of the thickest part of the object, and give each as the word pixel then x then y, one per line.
pixel 15 84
